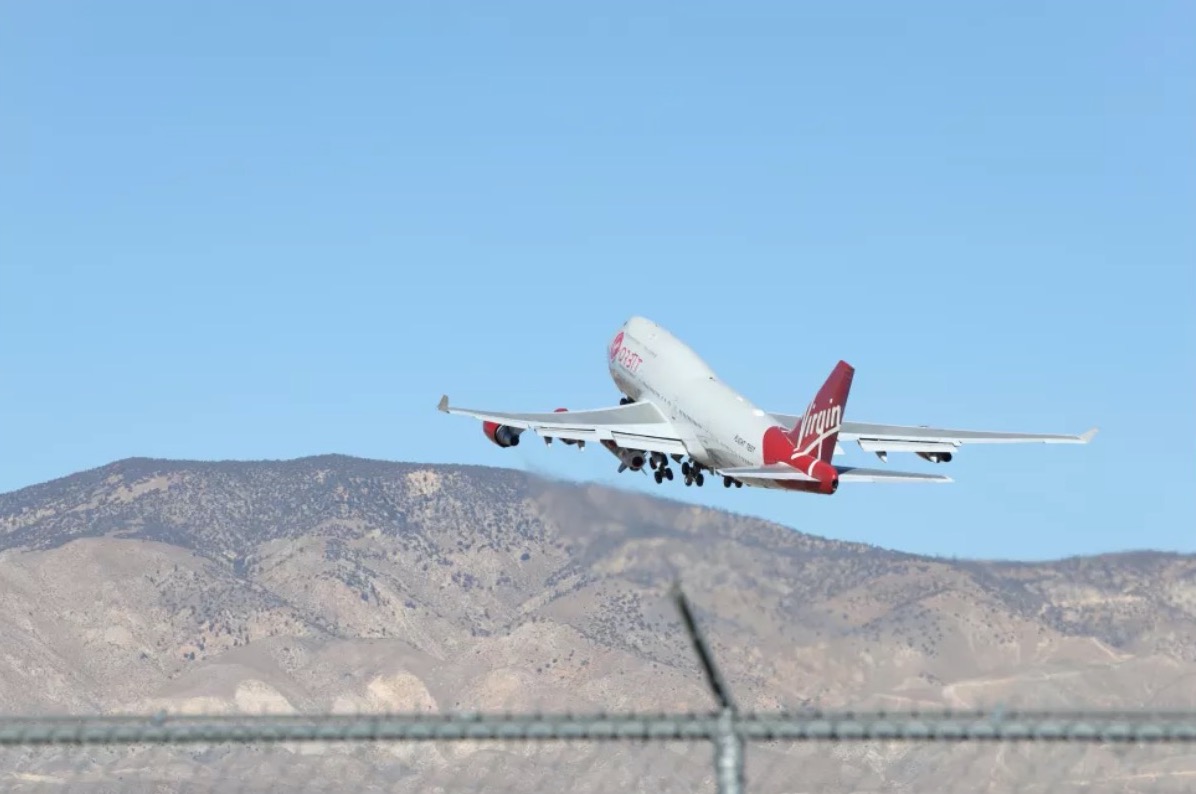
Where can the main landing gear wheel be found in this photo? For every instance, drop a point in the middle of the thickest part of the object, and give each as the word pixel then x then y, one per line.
pixel 693 473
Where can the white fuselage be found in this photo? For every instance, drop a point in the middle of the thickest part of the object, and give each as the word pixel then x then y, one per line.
pixel 648 364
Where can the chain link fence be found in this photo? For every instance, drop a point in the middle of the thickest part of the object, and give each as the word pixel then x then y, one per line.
pixel 781 753
pixel 724 751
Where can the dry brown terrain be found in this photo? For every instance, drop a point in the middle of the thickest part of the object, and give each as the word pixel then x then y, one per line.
pixel 334 583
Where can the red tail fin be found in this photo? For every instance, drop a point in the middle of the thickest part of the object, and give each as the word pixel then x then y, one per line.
pixel 818 429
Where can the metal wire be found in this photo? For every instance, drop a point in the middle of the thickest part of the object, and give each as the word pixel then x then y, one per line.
pixel 812 726
pixel 725 751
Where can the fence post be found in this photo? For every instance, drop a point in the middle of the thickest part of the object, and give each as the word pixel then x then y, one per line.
pixel 728 744
pixel 728 755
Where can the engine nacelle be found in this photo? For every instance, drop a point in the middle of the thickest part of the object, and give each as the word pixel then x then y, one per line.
pixel 632 458
pixel 935 457
pixel 501 434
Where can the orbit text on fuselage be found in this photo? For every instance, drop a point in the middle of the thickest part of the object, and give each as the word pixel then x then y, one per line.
pixel 629 360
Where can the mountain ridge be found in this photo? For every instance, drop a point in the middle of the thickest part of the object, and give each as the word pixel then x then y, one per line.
pixel 148 463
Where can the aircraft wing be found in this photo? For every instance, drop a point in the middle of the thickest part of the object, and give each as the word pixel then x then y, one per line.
pixel 638 425
pixel 905 438
pixel 782 471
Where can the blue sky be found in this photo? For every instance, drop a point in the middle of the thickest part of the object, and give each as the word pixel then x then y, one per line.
pixel 269 230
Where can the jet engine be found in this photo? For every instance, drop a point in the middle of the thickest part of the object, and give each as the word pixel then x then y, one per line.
pixel 501 434
pixel 935 457
pixel 632 458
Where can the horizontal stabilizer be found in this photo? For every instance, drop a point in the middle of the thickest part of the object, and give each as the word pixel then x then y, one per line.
pixel 853 474
pixel 777 471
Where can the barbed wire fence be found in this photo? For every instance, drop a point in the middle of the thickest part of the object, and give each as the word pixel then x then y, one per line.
pixel 726 750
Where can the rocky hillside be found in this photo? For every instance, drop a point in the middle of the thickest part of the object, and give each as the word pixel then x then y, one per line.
pixel 334 583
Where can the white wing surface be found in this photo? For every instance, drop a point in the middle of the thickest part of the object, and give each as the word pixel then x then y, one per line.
pixel 639 425
pixel 906 438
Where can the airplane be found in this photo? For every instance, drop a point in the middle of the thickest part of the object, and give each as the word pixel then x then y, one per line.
pixel 674 407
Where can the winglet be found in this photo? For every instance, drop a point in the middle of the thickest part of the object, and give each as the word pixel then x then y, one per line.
pixel 443 404
pixel 1089 435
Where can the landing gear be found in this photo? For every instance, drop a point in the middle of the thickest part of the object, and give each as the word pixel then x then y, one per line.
pixel 660 464
pixel 625 401
pixel 692 471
